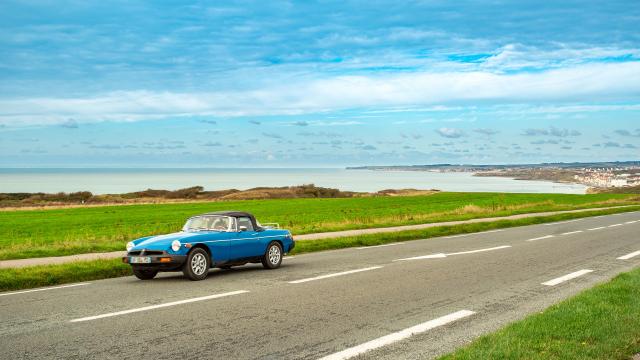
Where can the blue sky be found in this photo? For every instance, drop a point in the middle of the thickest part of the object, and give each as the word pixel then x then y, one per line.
pixel 317 84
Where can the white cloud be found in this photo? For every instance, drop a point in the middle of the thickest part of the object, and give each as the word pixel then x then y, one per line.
pixel 593 82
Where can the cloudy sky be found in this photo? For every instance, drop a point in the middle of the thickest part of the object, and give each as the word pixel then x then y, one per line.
pixel 284 84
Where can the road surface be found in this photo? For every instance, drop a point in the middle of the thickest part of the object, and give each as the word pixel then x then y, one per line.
pixel 417 299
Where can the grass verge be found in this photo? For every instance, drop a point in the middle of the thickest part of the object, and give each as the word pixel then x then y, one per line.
pixel 599 323
pixel 36 276
pixel 47 275
pixel 58 232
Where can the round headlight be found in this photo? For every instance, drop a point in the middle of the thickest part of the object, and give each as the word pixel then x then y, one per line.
pixel 130 245
pixel 175 245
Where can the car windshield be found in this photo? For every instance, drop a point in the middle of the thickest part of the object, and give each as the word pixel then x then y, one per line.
pixel 209 223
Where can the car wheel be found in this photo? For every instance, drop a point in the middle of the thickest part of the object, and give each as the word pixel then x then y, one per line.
pixel 273 256
pixel 145 274
pixel 197 265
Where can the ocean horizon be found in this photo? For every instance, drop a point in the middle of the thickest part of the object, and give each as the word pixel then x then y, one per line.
pixel 121 180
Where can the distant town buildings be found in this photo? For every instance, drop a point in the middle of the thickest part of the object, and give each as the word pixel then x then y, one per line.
pixel 609 177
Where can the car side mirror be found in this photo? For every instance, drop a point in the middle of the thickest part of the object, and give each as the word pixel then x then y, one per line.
pixel 243 228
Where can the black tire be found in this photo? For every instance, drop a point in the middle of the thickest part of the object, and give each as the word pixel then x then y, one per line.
pixel 272 258
pixel 144 274
pixel 197 265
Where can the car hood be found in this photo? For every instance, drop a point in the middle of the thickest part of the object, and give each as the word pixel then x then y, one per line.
pixel 163 242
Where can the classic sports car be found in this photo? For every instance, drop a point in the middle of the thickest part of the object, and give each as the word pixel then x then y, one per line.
pixel 218 239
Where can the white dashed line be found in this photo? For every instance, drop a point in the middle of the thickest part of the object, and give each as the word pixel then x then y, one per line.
pixel 572 232
pixel 44 289
pixel 541 238
pixel 334 275
pixel 567 277
pixel 152 307
pixel 442 255
pixel 398 336
pixel 377 246
pixel 631 222
pixel 432 256
pixel 480 250
pixel 614 225
pixel 629 256
pixel 596 228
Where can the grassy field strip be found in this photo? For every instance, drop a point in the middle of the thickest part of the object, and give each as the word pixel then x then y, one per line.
pixel 398 336
pixel 37 276
pixel 599 323
pixel 59 232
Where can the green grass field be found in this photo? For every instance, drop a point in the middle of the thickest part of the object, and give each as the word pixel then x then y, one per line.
pixel 55 232
pixel 600 323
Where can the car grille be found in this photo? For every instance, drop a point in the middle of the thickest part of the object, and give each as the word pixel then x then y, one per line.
pixel 146 252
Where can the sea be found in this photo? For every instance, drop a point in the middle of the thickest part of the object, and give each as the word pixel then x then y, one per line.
pixel 113 181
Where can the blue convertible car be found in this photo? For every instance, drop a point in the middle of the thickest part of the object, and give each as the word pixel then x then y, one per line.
pixel 218 239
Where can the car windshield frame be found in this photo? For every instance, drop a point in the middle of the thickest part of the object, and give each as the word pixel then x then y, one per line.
pixel 190 227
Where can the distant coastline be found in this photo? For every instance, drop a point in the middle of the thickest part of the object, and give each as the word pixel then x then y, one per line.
pixel 598 176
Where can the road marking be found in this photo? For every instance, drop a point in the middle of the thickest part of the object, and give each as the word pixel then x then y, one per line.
pixel 596 228
pixel 629 256
pixel 287 257
pixel 334 275
pixel 562 222
pixel 456 236
pixel 152 307
pixel 377 246
pixel 432 256
pixel 572 232
pixel 541 238
pixel 567 277
pixel 490 231
pixel 398 336
pixel 442 255
pixel 44 289
pixel 631 222
pixel 614 225
pixel 480 250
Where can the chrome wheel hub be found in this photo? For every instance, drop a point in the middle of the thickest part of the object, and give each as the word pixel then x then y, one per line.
pixel 198 264
pixel 274 254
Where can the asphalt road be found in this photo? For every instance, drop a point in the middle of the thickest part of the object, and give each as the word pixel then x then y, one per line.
pixel 412 300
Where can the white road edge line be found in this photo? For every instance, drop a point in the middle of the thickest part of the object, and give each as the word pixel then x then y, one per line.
pixel 572 232
pixel 629 256
pixel 152 307
pixel 596 228
pixel 541 238
pixel 614 225
pixel 562 222
pixel 334 275
pixel 398 336
pixel 443 255
pixel 43 289
pixel 377 246
pixel 567 277
pixel 631 222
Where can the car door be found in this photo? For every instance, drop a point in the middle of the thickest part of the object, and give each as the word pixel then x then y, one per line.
pixel 247 241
